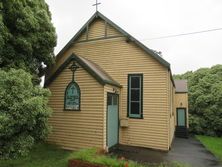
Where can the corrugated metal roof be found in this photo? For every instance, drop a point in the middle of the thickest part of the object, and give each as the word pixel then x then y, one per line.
pixel 181 86
pixel 99 71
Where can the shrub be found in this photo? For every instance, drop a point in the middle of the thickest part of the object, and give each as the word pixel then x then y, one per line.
pixel 195 123
pixel 205 100
pixel 23 113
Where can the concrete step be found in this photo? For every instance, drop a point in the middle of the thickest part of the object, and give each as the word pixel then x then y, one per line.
pixel 181 132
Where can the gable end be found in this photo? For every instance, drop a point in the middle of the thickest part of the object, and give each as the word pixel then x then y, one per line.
pixel 98 73
pixel 110 23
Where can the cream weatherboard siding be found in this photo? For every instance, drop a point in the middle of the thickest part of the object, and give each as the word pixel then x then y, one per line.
pixel 77 129
pixel 83 37
pixel 112 32
pixel 99 29
pixel 118 58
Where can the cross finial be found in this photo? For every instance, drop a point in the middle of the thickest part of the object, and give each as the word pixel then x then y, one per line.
pixel 73 68
pixel 96 4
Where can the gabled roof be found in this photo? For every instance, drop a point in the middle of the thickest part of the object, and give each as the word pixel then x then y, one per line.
pixel 93 69
pixel 99 15
pixel 181 86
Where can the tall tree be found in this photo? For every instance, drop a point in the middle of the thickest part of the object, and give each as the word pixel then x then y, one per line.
pixel 27 37
pixel 205 100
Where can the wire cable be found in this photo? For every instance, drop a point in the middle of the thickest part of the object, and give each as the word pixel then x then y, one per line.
pixel 183 34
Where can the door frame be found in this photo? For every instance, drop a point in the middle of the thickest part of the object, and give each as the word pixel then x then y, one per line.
pixel 109 93
pixel 185 110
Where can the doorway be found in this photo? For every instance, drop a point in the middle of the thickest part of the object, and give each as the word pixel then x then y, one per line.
pixel 112 119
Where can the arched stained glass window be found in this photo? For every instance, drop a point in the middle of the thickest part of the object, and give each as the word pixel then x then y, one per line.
pixel 72 97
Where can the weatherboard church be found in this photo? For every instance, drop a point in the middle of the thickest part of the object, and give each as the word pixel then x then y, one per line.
pixel 108 88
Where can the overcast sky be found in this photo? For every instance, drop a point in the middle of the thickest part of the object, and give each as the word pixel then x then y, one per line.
pixel 145 19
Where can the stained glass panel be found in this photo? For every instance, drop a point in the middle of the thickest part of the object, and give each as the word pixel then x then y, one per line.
pixel 72 97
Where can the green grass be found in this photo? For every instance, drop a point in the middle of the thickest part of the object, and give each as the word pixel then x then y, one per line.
pixel 90 155
pixel 45 155
pixel 42 155
pixel 213 144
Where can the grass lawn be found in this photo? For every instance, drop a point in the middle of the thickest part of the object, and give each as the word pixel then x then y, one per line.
pixel 42 155
pixel 45 155
pixel 213 144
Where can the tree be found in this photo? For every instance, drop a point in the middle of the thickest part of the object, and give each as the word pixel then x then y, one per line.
pixel 205 100
pixel 23 113
pixel 27 37
pixel 3 33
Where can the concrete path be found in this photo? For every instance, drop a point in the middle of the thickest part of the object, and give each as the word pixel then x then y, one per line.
pixel 188 151
pixel 191 151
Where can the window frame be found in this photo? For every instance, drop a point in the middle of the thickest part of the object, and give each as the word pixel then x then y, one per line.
pixel 140 115
pixel 66 109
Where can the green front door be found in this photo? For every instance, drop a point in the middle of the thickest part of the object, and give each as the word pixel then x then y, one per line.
pixel 112 120
pixel 181 117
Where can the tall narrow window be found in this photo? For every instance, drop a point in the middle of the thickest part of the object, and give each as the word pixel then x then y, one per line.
pixel 72 97
pixel 135 95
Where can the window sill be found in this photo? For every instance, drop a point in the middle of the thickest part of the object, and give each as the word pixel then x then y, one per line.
pixel 135 117
pixel 71 110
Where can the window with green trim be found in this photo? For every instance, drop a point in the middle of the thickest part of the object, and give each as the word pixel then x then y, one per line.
pixel 72 97
pixel 135 95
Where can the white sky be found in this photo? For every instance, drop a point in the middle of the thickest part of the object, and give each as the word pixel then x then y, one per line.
pixel 145 19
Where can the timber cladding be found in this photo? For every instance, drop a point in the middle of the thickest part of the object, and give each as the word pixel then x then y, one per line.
pixel 118 57
pixel 77 129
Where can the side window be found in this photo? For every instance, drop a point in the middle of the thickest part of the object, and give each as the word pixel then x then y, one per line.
pixel 135 95
pixel 72 97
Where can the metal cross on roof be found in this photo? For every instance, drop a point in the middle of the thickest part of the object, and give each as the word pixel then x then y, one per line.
pixel 96 4
pixel 73 68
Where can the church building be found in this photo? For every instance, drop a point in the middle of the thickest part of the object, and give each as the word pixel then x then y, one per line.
pixel 108 88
